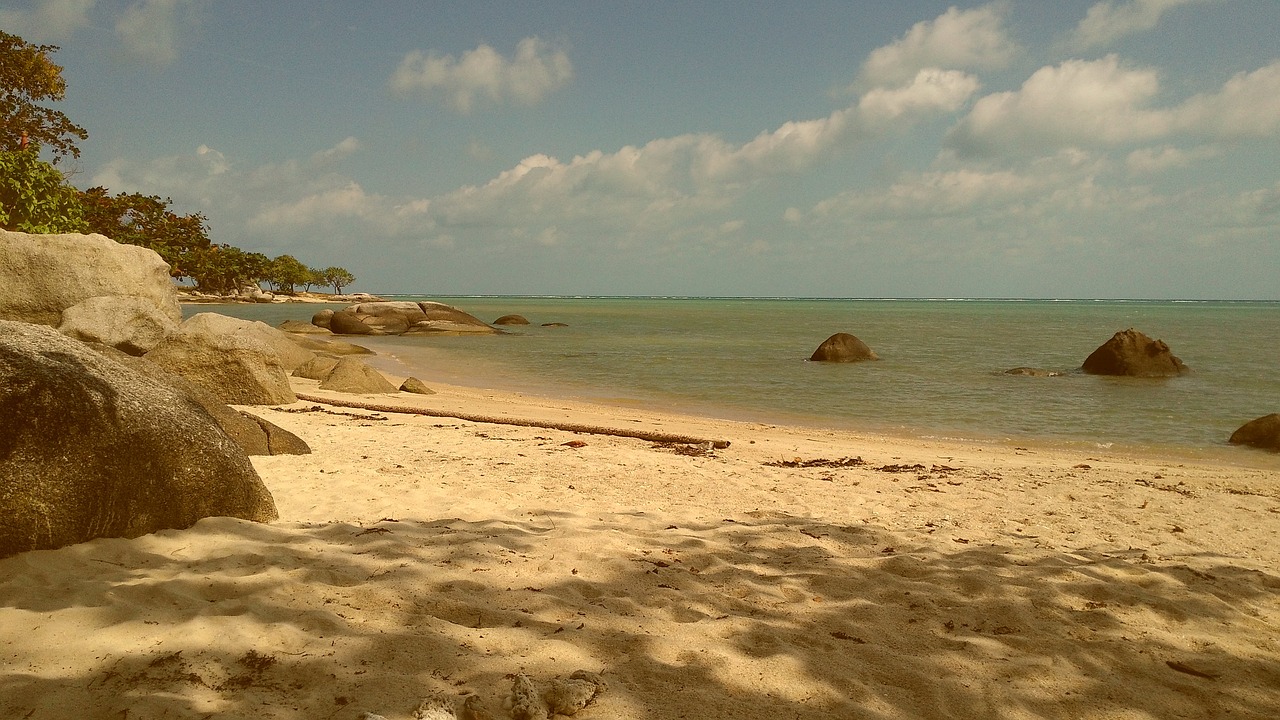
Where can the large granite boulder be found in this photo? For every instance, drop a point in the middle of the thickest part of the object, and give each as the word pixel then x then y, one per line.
pixel 317 368
pixel 238 361
pixel 842 347
pixel 90 448
pixel 253 434
pixel 402 317
pixel 132 324
pixel 42 275
pixel 512 320
pixel 1133 354
pixel 1264 432
pixel 352 376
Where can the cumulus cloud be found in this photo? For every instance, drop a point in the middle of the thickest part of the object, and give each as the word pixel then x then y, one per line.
pixel 48 21
pixel 957 39
pixel 1102 103
pixel 1108 21
pixel 537 69
pixel 1147 161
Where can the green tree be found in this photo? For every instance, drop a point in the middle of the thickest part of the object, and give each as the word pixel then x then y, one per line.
pixel 337 277
pixel 285 272
pixel 225 268
pixel 146 220
pixel 35 197
pixel 29 77
pixel 314 277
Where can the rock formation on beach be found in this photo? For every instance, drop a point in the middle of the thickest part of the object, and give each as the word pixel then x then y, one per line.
pixel 401 318
pixel 841 348
pixel 1133 354
pixel 91 448
pixel 1263 432
pixel 43 275
pixel 349 375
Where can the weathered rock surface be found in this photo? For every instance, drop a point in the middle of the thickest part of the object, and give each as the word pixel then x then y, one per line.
pixel 1133 354
pixel 42 275
pixel 317 368
pixel 416 386
pixel 132 324
pixel 328 344
pixel 90 448
pixel 843 347
pixel 403 317
pixel 253 434
pixel 1263 432
pixel 302 328
pixel 321 319
pixel 352 376
pixel 511 320
pixel 238 361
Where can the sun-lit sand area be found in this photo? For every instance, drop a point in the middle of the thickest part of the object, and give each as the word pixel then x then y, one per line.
pixel 797 573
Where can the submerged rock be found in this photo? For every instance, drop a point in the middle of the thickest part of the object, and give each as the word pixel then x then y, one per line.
pixel 1033 372
pixel 511 320
pixel 843 347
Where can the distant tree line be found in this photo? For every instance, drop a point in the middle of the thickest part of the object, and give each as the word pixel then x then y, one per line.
pixel 35 196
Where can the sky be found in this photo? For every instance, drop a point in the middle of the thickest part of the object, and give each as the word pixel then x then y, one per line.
pixel 1016 148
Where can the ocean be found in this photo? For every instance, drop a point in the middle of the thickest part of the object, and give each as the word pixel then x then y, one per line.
pixel 941 372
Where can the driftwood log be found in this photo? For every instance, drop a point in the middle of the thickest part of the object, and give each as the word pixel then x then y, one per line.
pixel 567 427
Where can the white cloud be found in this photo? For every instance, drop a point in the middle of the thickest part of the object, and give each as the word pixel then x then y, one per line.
pixel 537 69
pixel 963 39
pixel 1147 161
pixel 148 29
pixel 1101 103
pixel 1107 22
pixel 48 21
pixel 932 89
pixel 1077 102
pixel 348 147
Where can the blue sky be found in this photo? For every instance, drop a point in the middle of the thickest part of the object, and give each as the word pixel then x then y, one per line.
pixel 1017 148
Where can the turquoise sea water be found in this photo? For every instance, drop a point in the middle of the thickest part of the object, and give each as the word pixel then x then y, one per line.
pixel 940 373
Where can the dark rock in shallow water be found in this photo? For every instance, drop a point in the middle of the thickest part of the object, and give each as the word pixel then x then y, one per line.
pixel 1032 372
pixel 91 448
pixel 1264 432
pixel 1133 354
pixel 511 320
pixel 554 325
pixel 842 347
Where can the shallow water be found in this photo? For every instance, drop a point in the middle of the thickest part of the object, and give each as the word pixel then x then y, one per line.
pixel 940 373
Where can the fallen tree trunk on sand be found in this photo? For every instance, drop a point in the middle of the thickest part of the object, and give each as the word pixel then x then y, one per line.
pixel 567 427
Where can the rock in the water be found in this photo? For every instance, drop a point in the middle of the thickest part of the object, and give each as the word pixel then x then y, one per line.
pixel 842 347
pixel 239 362
pixel 395 318
pixel 555 325
pixel 511 320
pixel 132 324
pixel 302 328
pixel 322 318
pixel 42 275
pixel 326 344
pixel 1263 432
pixel 90 448
pixel 1133 354
pixel 1032 372
pixel 414 385
pixel 352 376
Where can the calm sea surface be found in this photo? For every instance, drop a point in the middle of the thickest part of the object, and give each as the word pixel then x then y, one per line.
pixel 940 373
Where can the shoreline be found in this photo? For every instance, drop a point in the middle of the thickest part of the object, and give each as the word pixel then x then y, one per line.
pixel 799 572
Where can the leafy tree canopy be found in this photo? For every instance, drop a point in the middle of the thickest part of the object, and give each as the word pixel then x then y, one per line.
pixel 29 77
pixel 337 277
pixel 287 271
pixel 146 220
pixel 34 196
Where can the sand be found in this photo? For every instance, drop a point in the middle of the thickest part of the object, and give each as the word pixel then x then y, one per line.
pixel 797 573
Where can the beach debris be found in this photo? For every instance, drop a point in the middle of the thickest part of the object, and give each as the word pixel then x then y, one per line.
pixel 690 449
pixel 473 708
pixel 524 702
pixel 1187 669
pixel 818 463
pixel 567 697
pixel 900 468
pixel 436 707
pixel 574 444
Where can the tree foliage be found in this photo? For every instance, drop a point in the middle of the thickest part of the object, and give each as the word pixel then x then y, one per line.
pixel 35 197
pixel 287 271
pixel 29 77
pixel 225 268
pixel 337 277
pixel 146 220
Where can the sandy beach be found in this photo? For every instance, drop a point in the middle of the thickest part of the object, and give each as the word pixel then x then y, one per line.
pixel 796 573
